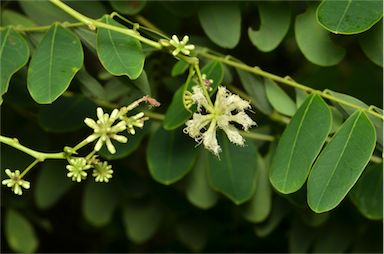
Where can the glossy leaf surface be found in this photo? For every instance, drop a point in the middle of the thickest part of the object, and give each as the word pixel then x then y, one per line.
pixel 314 41
pixel 300 144
pixel 54 63
pixel 14 54
pixel 221 22
pixel 170 155
pixel 119 54
pixel 235 172
pixel 275 19
pixel 349 16
pixel 341 163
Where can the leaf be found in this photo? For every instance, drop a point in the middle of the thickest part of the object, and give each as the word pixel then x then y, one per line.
pixel 314 41
pixel 279 210
pixel 179 68
pixel 87 37
pixel 19 232
pixel 66 114
pixel 170 155
pixel 89 85
pixel 44 12
pixel 14 54
pixel 125 149
pixel 349 16
pixel 176 114
pixel 378 123
pixel 54 63
pixel 371 43
pixel 198 191
pixel 221 23
pixel 51 184
pixel 9 17
pixel 128 7
pixel 142 83
pixel 367 194
pixel 193 233
pixel 255 87
pixel 341 163
pixel 118 53
pixel 234 173
pixel 259 207
pixel 301 96
pixel 300 144
pixel 141 221
pixel 279 99
pixel 275 19
pixel 99 203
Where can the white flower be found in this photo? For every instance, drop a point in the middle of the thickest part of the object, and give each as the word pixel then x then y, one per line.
pixel 15 182
pixel 77 169
pixel 181 46
pixel 228 108
pixel 134 121
pixel 104 130
pixel 102 172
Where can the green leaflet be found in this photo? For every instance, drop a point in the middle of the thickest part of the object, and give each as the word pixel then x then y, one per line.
pixel 57 59
pixel 235 172
pixel 128 7
pixel 170 155
pixel 141 220
pixel 118 53
pixel 300 144
pixel 341 163
pixel 179 68
pixel 367 194
pixel 19 232
pixel 349 16
pixel 54 118
pixel 14 54
pixel 259 207
pixel 314 41
pixel 51 184
pixel 372 44
pixel 378 123
pixel 193 233
pixel 198 191
pixel 279 99
pixel 275 18
pixel 99 203
pixel 221 22
pixel 176 114
pixel 255 87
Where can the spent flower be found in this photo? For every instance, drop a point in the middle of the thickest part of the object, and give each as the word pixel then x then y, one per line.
pixel 102 172
pixel 15 182
pixel 228 109
pixel 77 167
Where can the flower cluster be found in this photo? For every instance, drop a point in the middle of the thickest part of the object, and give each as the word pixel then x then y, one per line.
pixel 180 46
pixel 15 182
pixel 107 127
pixel 77 169
pixel 228 109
